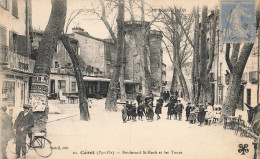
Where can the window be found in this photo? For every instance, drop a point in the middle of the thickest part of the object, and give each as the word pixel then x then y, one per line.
pixel 78 50
pixel 248 96
pixel 15 8
pixel 220 95
pixel 62 85
pixel 57 65
pixel 8 93
pixel 108 70
pixel 13 41
pixel 5 4
pixel 57 48
pixel 73 86
pixel 220 69
pixel 2 36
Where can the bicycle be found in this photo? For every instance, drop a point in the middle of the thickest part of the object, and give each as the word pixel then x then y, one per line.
pixel 38 142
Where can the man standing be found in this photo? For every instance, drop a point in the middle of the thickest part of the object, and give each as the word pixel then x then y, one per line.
pixel 158 108
pixel 23 125
pixel 6 131
pixel 188 108
pixel 179 108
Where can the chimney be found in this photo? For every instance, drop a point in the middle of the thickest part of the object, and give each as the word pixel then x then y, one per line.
pixel 77 30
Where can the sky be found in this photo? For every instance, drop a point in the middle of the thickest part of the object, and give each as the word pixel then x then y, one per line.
pixel 41 11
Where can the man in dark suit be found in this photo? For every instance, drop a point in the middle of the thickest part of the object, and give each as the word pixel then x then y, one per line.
pixel 6 130
pixel 23 125
pixel 188 109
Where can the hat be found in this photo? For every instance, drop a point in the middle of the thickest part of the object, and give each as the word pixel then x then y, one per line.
pixel 189 102
pixel 27 106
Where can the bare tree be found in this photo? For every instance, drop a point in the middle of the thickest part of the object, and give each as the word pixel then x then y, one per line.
pixel 41 75
pixel 112 91
pixel 141 42
pixel 177 24
pixel 200 67
pixel 83 104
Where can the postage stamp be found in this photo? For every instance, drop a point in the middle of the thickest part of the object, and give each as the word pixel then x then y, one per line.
pixel 237 21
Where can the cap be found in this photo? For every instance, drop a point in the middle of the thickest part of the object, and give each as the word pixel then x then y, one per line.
pixel 189 102
pixel 3 107
pixel 27 106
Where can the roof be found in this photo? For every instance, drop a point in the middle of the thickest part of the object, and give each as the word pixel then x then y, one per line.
pixel 89 36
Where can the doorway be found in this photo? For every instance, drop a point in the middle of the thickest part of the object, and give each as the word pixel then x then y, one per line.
pixel 52 90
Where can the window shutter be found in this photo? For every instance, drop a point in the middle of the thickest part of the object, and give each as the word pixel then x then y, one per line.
pixel 11 41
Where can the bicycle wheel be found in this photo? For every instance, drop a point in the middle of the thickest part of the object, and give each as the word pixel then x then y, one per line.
pixel 42 146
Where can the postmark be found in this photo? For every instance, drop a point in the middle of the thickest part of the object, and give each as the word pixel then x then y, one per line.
pixel 237 21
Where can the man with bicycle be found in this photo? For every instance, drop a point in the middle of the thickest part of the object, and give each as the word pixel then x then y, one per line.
pixel 23 125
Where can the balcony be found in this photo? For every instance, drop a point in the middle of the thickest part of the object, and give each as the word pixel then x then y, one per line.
pixel 16 62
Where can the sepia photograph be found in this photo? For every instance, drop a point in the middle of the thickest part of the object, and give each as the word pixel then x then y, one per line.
pixel 130 79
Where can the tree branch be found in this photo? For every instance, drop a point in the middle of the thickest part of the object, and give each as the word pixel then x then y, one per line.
pixel 104 19
pixel 183 29
pixel 227 58
pixel 168 50
pixel 235 52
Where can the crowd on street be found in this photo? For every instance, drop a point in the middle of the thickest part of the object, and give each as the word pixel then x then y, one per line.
pixel 146 108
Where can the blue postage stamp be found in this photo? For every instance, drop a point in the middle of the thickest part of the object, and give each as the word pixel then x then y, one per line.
pixel 238 21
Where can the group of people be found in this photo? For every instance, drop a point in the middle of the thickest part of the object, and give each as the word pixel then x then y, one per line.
pixel 146 105
pixel 144 108
pixel 175 107
pixel 200 113
pixel 19 130
pixel 165 95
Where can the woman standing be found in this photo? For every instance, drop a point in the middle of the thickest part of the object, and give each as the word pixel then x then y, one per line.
pixel 201 114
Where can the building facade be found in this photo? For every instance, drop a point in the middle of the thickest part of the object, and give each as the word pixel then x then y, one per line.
pixel 97 59
pixel 15 53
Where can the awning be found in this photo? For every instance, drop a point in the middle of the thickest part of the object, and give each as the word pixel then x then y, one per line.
pixel 87 78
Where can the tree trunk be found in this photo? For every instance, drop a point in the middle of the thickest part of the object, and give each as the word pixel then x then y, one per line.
pixel 122 85
pixel 203 58
pixel 41 76
pixel 174 81
pixel 112 90
pixel 232 98
pixel 83 104
pixel 195 69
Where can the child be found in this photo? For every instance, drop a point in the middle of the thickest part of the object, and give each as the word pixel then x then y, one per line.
pixel 124 113
pixel 133 112
pixel 140 111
